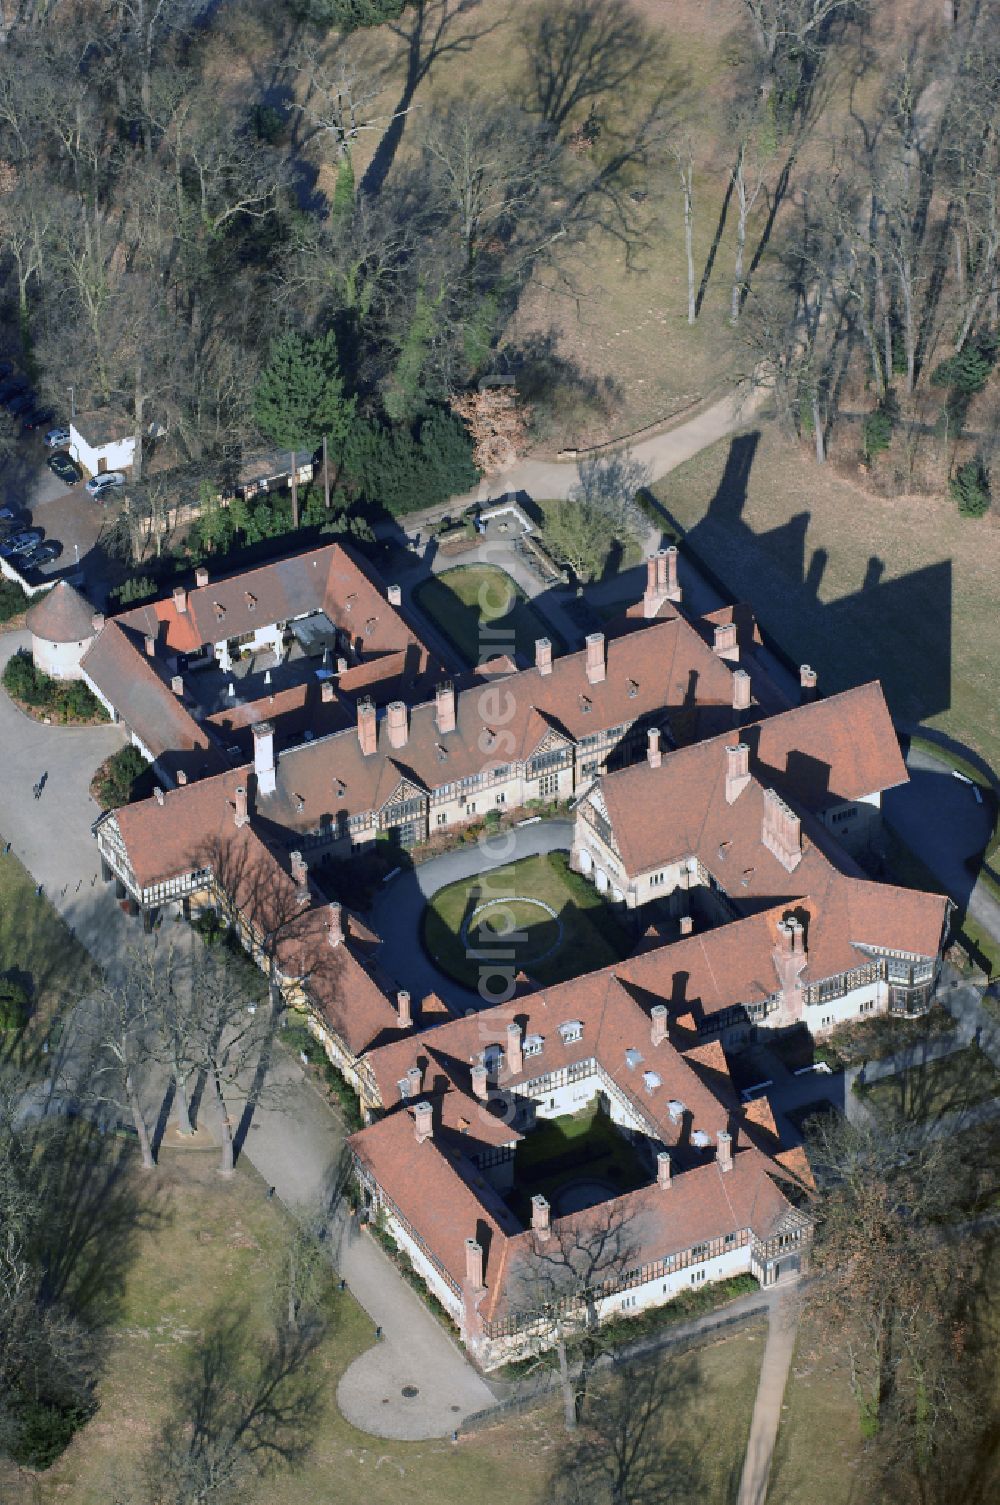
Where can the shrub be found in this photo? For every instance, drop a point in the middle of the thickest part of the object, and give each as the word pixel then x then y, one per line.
pixel 877 432
pixel 136 588
pixel 20 679
pixel 402 470
pixel 71 701
pixel 970 489
pixel 14 1004
pixel 44 1431
pixel 967 372
pixel 12 599
pixel 117 785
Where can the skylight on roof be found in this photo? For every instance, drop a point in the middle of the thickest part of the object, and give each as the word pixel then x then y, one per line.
pixel 633 1058
pixel 676 1109
pixel 651 1080
pixel 700 1139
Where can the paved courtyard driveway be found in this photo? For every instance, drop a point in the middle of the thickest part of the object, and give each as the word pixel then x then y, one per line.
pixel 51 835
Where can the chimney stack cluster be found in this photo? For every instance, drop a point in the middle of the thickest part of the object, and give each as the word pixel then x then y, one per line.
pixel 242 813
pixel 396 718
pixel 725 644
pixel 263 757
pixel 724 1154
pixel 658 1016
pixel 737 771
pixel 444 703
pixel 741 690
pixel 686 924
pixel 97 621
pixel 300 877
pixel 663 1171
pixel 781 831
pixel 150 646
pixel 335 926
pixel 423 1120
pixel 791 938
pixel 480 1083
pixel 474 1264
pixel 661 581
pixel 543 655
pixel 654 756
pixel 326 691
pixel 180 599
pixel 367 727
pixel 807 683
pixel 414 1078
pixel 201 576
pixel 596 666
pixel 515 1058
pixel 541 1218
pixel 404 1008
pixel 394 595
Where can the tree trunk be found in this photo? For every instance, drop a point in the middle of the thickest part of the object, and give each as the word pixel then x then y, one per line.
pixel 295 493
pixel 184 1124
pixel 817 418
pixel 909 330
pixel 566 1385
pixel 741 239
pixel 145 1148
pixel 139 402
pixel 687 178
pixel 228 1160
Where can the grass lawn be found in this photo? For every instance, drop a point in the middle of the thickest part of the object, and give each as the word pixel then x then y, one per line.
pixel 214 1247
pixel 819 1440
pixel 925 1092
pixel 37 950
pixel 860 586
pixel 482 612
pixel 576 1147
pixel 586 936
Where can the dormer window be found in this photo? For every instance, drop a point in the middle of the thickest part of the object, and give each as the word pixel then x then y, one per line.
pixel 370 626
pixel 633 689
pixel 348 604
pixel 442 752
pixel 533 1045
pixel 571 1031
pixel 220 610
pixel 300 803
pixel 586 704
pixel 251 601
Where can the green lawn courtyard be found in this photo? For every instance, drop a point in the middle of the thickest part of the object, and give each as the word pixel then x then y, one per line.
pixel 536 915
pixel 482 612
pixel 574 1157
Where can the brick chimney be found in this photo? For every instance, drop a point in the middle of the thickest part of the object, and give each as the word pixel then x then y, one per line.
pixel 300 877
pixel 405 1009
pixel 242 814
pixel 444 704
pixel 367 727
pixel 541 1217
pixel 423 1121
pixel 97 621
pixel 596 668
pixel 724 1154
pixel 737 771
pixel 177 685
pixel 263 757
pixel 724 643
pixel 515 1059
pixel 474 1265
pixel 658 1016
pixel 335 926
pixel 668 572
pixel 650 596
pixel 394 595
pixel 180 599
pixel 663 1171
pixel 158 794
pixel 686 924
pixel 781 831
pixel 784 930
pixel 480 1083
pixel 654 757
pixel 201 576
pixel 807 683
pixel 150 646
pixel 415 1079
pixel 741 690
pixel 396 719
pixel 327 691
pixel 543 655
pixel 182 777
pixel 798 938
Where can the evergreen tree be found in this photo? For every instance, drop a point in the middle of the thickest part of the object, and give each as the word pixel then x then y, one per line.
pixel 300 394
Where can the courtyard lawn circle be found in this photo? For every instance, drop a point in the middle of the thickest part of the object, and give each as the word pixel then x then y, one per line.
pixel 534 916
pixel 577 1196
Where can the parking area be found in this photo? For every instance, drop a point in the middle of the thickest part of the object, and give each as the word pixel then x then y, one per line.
pixel 65 516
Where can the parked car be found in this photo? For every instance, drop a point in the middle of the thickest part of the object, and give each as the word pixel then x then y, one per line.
pixel 57 438
pixel 64 466
pixel 21 543
pixel 106 481
pixel 21 403
pixel 36 418
pixel 44 553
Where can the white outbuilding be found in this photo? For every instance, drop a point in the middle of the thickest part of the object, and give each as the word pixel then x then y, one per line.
pixel 62 625
pixel 102 440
